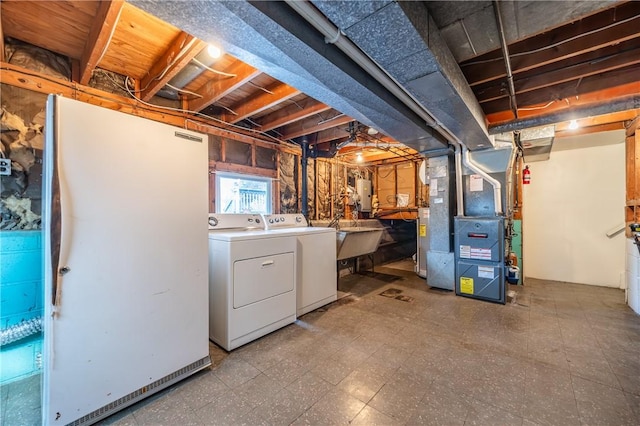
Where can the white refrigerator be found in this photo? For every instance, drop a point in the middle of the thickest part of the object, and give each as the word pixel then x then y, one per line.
pixel 126 266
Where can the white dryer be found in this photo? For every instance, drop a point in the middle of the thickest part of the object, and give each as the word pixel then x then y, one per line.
pixel 316 271
pixel 252 276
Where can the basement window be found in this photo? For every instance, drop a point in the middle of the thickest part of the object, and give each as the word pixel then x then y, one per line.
pixel 242 194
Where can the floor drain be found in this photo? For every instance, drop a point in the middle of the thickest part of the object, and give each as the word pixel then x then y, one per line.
pixel 391 292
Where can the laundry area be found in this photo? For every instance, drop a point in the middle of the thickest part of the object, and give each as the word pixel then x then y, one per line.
pixel 314 212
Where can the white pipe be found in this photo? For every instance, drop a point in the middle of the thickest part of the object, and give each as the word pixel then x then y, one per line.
pixel 459 186
pixel 333 35
pixel 497 196
pixel 510 176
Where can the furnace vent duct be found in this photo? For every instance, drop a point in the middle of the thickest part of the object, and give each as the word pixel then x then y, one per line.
pixel 537 143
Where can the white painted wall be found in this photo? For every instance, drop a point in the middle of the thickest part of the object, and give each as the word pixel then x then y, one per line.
pixel 574 198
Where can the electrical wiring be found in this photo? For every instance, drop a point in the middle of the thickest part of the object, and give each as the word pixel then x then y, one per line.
pixel 260 87
pixel 113 30
pixel 194 113
pixel 175 112
pixel 208 68
pixel 537 108
pixel 188 92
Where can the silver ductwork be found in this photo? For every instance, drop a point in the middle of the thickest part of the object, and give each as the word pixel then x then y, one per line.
pixel 20 331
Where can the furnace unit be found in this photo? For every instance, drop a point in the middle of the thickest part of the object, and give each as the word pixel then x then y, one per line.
pixel 479 254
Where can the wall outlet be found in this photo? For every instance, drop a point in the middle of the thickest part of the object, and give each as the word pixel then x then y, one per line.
pixel 5 167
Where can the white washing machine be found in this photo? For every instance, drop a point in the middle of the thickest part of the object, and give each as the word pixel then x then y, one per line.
pixel 316 271
pixel 252 279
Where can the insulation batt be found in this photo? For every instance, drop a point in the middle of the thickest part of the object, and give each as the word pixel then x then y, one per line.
pixel 19 214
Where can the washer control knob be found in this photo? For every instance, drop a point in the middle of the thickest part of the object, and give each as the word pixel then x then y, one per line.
pixel 213 221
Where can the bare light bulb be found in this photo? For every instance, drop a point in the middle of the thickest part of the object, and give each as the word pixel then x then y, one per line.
pixel 359 157
pixel 573 125
pixel 214 51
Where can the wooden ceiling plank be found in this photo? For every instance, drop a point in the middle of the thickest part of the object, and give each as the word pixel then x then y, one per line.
pixel 299 128
pixel 292 114
pixel 277 93
pixel 218 87
pixel 103 26
pixel 490 67
pixel 182 50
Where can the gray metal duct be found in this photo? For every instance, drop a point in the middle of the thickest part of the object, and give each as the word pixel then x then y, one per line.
pixel 20 331
pixel 402 38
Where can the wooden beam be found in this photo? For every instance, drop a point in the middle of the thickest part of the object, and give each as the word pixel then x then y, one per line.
pixel 237 168
pixel 593 99
pixel 277 93
pixel 301 128
pixel 332 134
pixel 291 114
pixel 600 120
pixel 24 78
pixel 588 130
pixel 184 48
pixel 2 55
pixel 99 37
pixel 220 86
pixel 633 125
pixel 569 90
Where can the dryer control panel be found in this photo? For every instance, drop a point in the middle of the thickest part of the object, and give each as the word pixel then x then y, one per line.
pixel 273 221
pixel 235 221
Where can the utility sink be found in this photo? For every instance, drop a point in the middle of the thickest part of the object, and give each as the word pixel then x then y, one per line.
pixel 357 241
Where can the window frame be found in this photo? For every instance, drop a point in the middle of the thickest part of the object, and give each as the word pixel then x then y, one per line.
pixel 243 176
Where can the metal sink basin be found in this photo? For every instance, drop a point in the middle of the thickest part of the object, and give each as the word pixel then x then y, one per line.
pixel 354 242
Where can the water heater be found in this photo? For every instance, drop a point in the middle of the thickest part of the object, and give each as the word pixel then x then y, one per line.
pixel 363 188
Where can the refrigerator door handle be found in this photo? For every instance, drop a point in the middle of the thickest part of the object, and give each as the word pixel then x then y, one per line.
pixel 55 230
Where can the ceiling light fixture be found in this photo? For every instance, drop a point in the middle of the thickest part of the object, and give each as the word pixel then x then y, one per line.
pixel 214 51
pixel 371 131
pixel 359 157
pixel 573 125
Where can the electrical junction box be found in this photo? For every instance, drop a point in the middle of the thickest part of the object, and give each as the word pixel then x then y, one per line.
pixel 5 167
pixel 363 188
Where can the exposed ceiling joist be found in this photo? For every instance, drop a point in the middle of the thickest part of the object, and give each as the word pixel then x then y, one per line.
pixel 275 94
pixel 598 31
pixel 292 113
pixel 301 128
pixel 569 89
pixel 609 59
pixel 335 133
pixel 182 50
pixel 99 37
pixel 1 42
pixel 220 86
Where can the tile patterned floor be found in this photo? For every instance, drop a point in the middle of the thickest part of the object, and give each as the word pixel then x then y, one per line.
pixel 557 354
